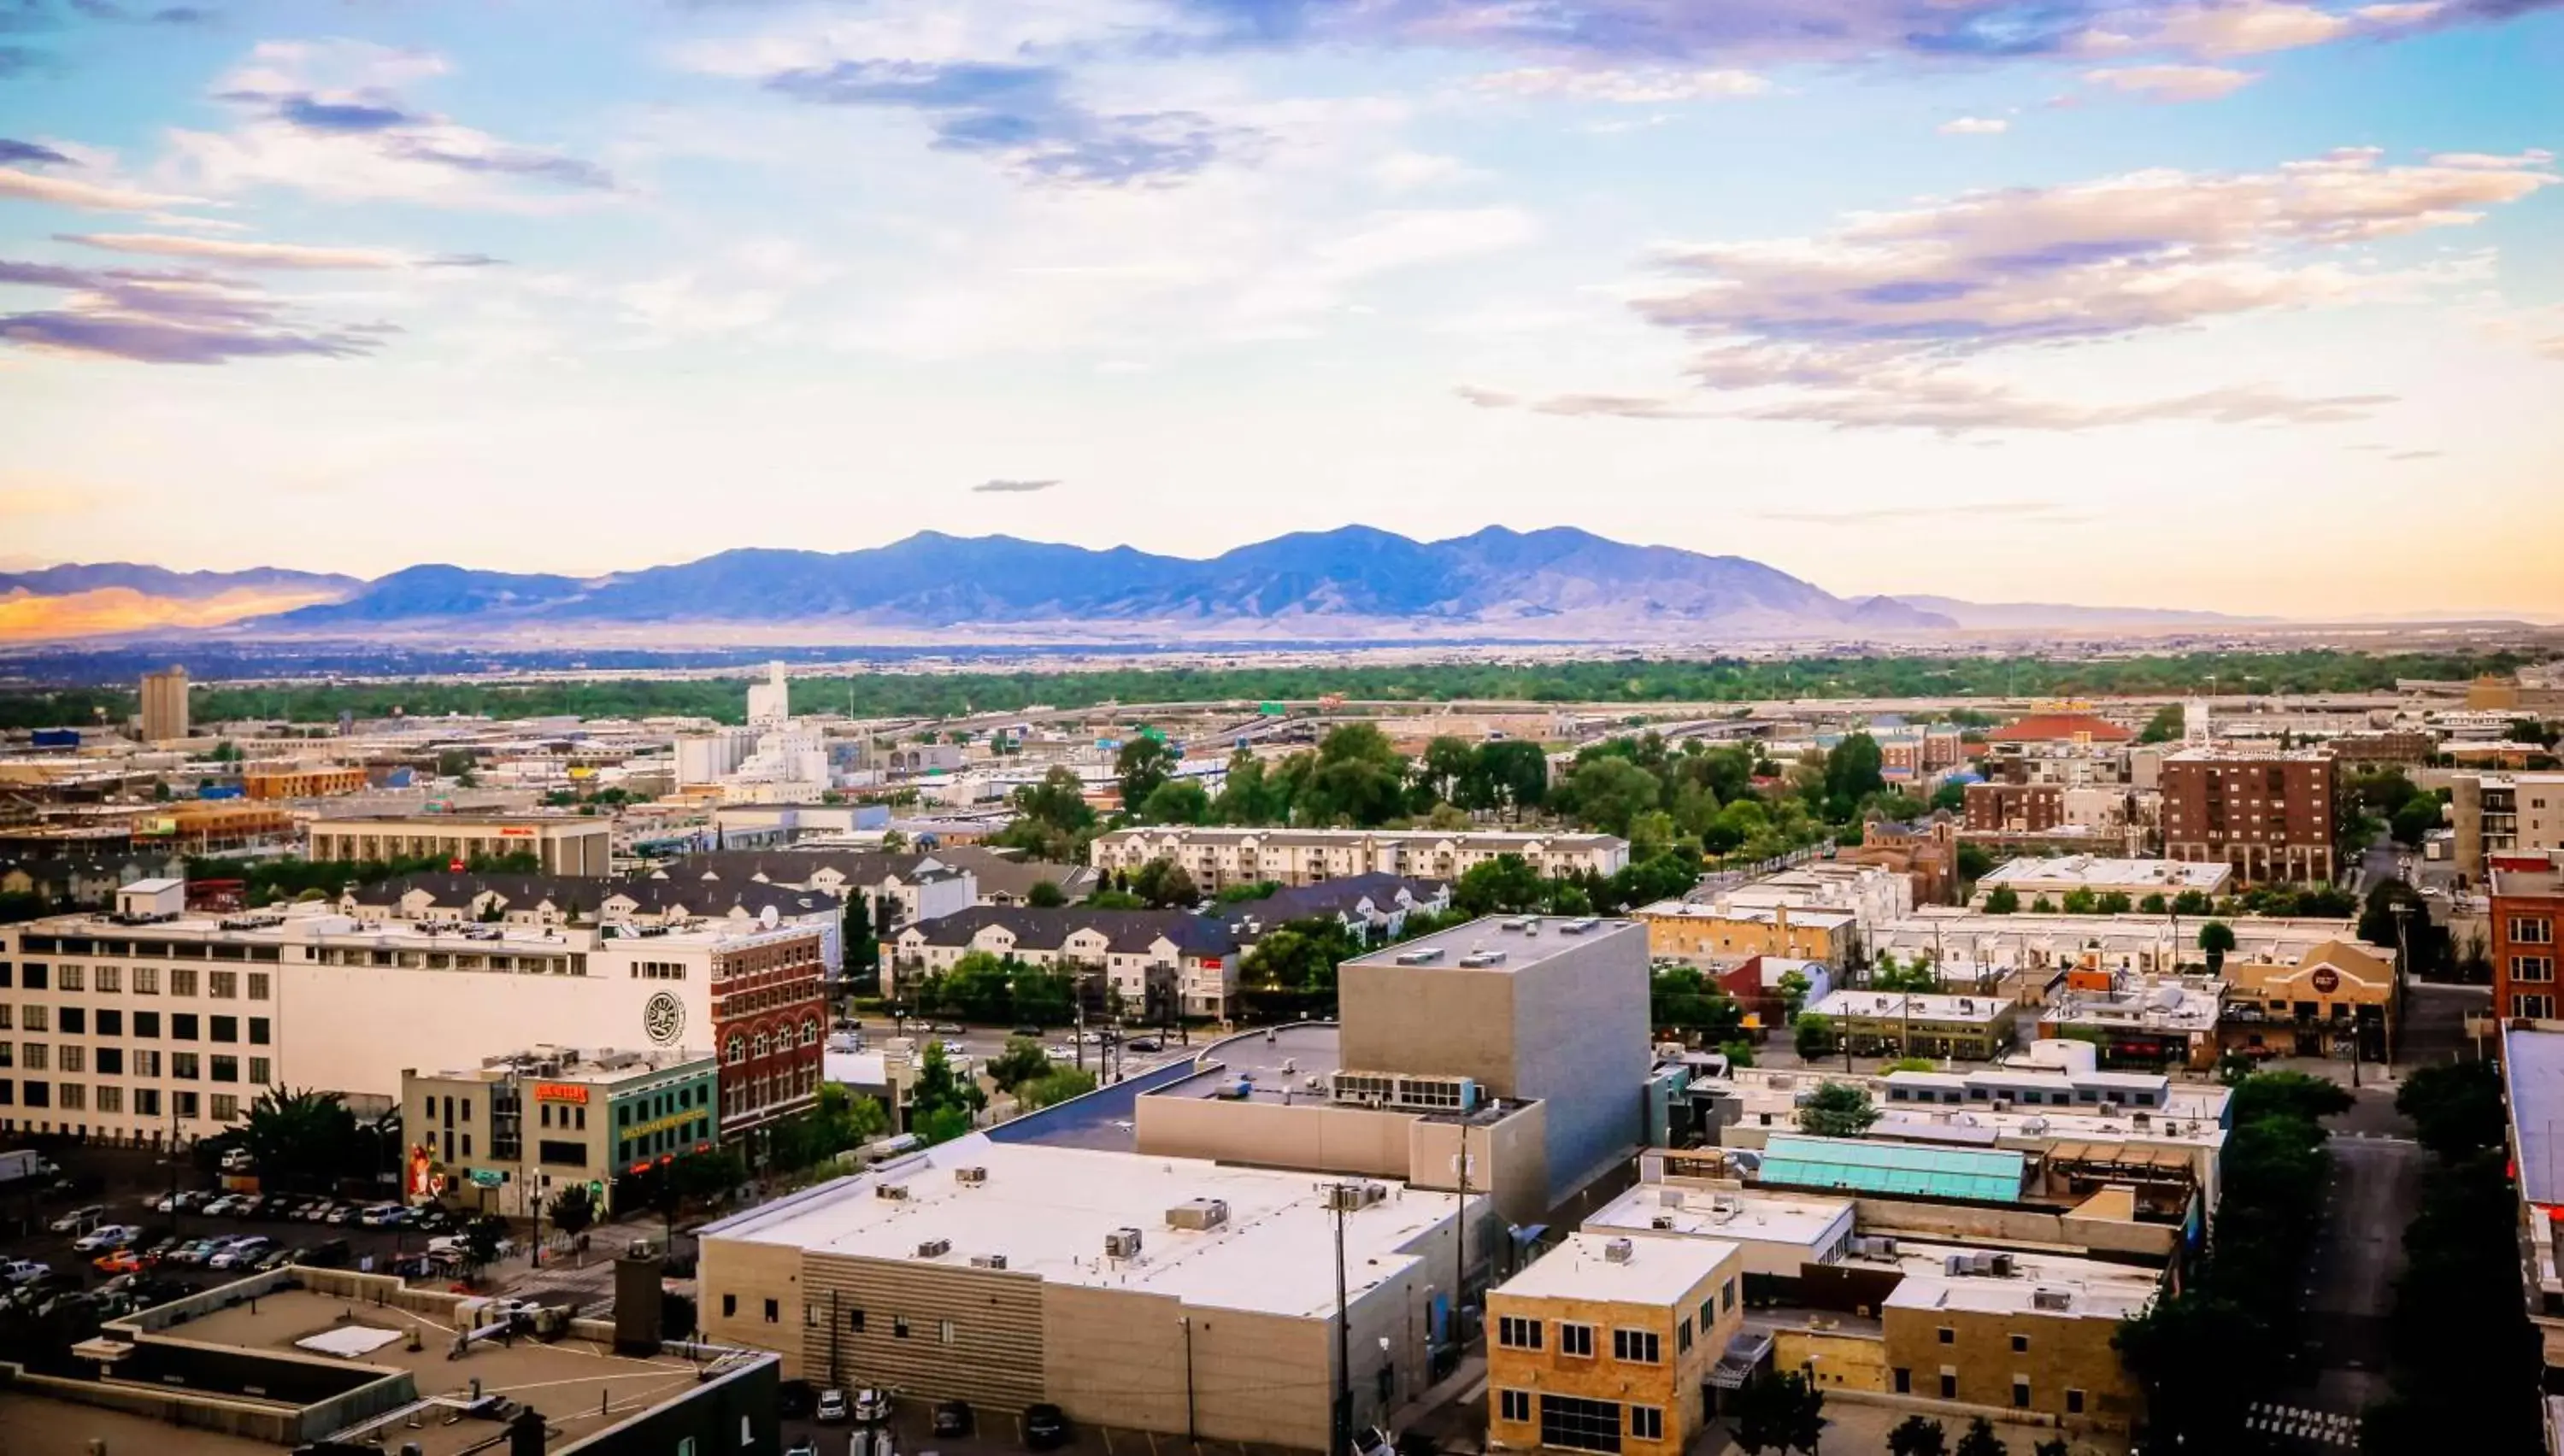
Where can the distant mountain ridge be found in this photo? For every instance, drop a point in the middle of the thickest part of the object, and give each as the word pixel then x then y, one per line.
pixel 1554 584
pixel 160 581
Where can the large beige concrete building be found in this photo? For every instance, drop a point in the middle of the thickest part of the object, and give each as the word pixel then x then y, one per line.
pixel 1147 1293
pixel 164 705
pixel 1217 858
pixel 561 844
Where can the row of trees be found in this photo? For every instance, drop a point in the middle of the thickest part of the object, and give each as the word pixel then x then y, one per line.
pixel 995 989
pixel 2205 1354
pixel 271 881
pixel 936 694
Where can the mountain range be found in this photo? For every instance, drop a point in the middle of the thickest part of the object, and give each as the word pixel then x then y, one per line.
pixel 1354 583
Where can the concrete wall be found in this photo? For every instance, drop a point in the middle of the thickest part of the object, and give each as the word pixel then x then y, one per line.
pixel 735 1277
pixel 2026 1227
pixel 1306 1135
pixel 1508 1160
pixel 1119 1357
pixel 927 1329
pixel 2063 1352
pixel 1581 1047
pixel 1434 1019
pixel 1838 1360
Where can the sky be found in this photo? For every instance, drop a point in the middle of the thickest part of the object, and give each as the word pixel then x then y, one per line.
pixel 2253 306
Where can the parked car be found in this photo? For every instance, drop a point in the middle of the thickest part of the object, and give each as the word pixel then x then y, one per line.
pixel 319 1210
pixel 327 1254
pixel 106 1237
pixel 238 1161
pixel 872 1405
pixel 1373 1441
pixel 1145 1044
pixel 220 1207
pixel 1060 1051
pixel 1030 1031
pixel 277 1259
pixel 122 1261
pixel 1045 1426
pixel 956 1048
pixel 805 1446
pixel 952 1418
pixel 78 1218
pixel 189 1254
pixel 949 1028
pixel 345 1213
pixel 23 1271
pixel 243 1252
pixel 833 1406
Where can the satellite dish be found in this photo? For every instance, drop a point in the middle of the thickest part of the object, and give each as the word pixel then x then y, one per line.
pixel 767 918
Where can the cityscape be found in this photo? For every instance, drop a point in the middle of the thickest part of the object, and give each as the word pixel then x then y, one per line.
pixel 1281 728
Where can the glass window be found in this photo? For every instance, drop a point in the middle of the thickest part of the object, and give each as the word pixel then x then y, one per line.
pixel 1636 1347
pixel 226 1106
pixel 1516 1333
pixel 1646 1423
pixel 223 985
pixel 182 1065
pixel 226 1068
pixel 146 980
pixel 182 981
pixel 184 1025
pixel 1575 1339
pixel 73 978
pixel 73 1021
pixel 225 1029
pixel 110 1022
pixel 258 985
pixel 36 1018
pixel 111 1062
pixel 147 1023
pixel 1513 1405
pixel 1574 1423
pixel 257 1031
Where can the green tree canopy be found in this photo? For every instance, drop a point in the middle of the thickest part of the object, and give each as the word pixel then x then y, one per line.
pixel 1838 1110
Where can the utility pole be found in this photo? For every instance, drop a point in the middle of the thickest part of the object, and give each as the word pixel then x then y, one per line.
pixel 1338 1196
pixel 1191 1435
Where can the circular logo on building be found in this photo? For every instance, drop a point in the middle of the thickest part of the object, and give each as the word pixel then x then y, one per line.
pixel 664 1018
pixel 2327 980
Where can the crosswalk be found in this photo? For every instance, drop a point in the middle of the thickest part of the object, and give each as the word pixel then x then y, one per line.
pixel 2322 1427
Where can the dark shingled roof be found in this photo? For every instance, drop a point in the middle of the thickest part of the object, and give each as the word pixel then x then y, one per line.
pixel 1126 931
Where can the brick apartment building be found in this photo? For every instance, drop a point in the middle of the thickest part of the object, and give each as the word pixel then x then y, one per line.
pixel 2271 813
pixel 2021 808
pixel 2527 916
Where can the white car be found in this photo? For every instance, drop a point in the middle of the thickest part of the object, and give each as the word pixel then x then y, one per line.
pixel 107 1236
pixel 242 1253
pixel 1060 1051
pixel 78 1219
pixel 23 1271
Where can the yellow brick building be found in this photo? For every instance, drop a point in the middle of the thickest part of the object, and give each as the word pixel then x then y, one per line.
pixel 1605 1344
pixel 1682 930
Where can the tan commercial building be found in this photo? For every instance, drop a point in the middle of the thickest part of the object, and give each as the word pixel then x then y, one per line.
pixel 1885 1023
pixel 561 844
pixel 1147 1293
pixel 302 781
pixel 2335 1000
pixel 2497 814
pixel 1682 930
pixel 1217 858
pixel 2016 1331
pixel 1607 1343
pixel 511 1134
pixel 164 705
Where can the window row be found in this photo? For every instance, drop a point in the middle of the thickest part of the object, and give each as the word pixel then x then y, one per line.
pixel 110 1021
pixel 221 985
pixel 78 1096
pixel 1575 1423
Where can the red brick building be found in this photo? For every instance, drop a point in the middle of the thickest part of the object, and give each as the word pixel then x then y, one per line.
pixel 2060 727
pixel 769 1024
pixel 2527 916
pixel 2271 814
pixel 2022 808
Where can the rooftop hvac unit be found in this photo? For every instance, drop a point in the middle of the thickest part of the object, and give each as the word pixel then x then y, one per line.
pixel 988 1261
pixel 1353 1197
pixel 1980 1263
pixel 896 1192
pixel 1481 959
pixel 1618 1251
pixel 1199 1213
pixel 1425 956
pixel 1662 1223
pixel 2141 1119
pixel 1955 1266
pixel 2003 1266
pixel 971 1175
pixel 1122 1243
pixel 934 1248
pixel 2057 1300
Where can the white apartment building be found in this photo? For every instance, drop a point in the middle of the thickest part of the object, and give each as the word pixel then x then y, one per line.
pixel 1997 944
pixel 152 1024
pixel 1221 857
pixel 1874 894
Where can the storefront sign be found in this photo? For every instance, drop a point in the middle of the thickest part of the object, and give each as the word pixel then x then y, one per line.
pixel 561 1092
pixel 488 1177
pixel 2326 979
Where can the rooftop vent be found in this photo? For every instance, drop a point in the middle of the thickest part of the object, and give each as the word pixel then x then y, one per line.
pixel 1425 956
pixel 2057 1300
pixel 1662 1223
pixel 971 1177
pixel 1618 1251
pixel 1479 960
pixel 934 1248
pixel 1122 1243
pixel 1353 1197
pixel 988 1261
pixel 894 1192
pixel 1199 1213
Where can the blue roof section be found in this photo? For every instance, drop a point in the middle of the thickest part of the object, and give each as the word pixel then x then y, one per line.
pixel 2533 1071
pixel 1855 1166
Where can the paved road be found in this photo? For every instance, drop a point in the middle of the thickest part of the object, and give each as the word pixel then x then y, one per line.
pixel 2370 1196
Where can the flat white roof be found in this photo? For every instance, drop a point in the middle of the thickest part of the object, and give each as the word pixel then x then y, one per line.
pixel 1520 942
pixel 1657 1272
pixel 2096 873
pixel 1737 1215
pixel 2090 1289
pixel 1048 1208
pixel 1923 1005
pixel 1815 917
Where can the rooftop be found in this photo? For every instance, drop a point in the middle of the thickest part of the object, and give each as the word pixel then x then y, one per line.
pixel 2236 753
pixel 606 1065
pixel 2534 1074
pixel 1728 1213
pixel 317 924
pixel 1918 1005
pixel 1047 1209
pixel 1259 1059
pixel 1806 917
pixel 2111 874
pixel 1858 1166
pixel 2079 1288
pixel 1654 1271
pixel 1497 944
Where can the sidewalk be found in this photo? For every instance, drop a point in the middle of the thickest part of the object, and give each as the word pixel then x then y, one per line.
pixel 1453 1412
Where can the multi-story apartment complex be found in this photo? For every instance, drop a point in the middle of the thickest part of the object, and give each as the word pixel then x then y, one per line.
pixel 917 887
pixel 154 1025
pixel 1605 1344
pixel 2270 814
pixel 1998 807
pixel 1217 858
pixel 1147 955
pixel 2384 746
pixel 2498 814
pixel 2527 916
pixel 525 1126
pixel 164 705
pixel 561 844
pixel 286 780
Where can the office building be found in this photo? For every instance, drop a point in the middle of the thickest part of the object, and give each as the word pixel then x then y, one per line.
pixel 1537 1008
pixel 1217 858
pixel 2533 1083
pixel 2527 912
pixel 1607 1343
pixel 561 844
pixel 285 781
pixel 2270 814
pixel 164 705
pixel 153 1023
pixel 1720 932
pixel 1168 1295
pixel 1920 1024
pixel 2499 815
pixel 512 1133
pixel 1996 807
pixel 2078 730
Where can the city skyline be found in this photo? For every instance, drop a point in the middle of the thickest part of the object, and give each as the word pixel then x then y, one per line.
pixel 2252 306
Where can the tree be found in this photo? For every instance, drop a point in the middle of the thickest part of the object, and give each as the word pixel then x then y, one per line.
pixel 1245 796
pixel 2154 903
pixel 1979 1439
pixel 1606 793
pixel 300 1140
pixel 1681 1001
pixel 572 1210
pixel 1056 1086
pixel 2456 1107
pixel 1851 775
pixel 2115 902
pixel 2002 900
pixel 1045 895
pixel 1446 764
pixel 480 1241
pixel 1793 987
pixel 2412 823
pixel 1918 978
pixel 1164 885
pixel 1357 778
pixel 1505 884
pixel 1022 1060
pixel 941 1092
pixel 2165 726
pixel 1918 1435
pixel 1739 1053
pixel 1838 1110
pixel 1144 763
pixel 2042 906
pixel 2052 1446
pixel 1777 1410
pixel 2215 939
pixel 2193 902
pixel 1177 801
pixel 1054 822
pixel 1813 1037
pixel 1301 956
pixel 1509 774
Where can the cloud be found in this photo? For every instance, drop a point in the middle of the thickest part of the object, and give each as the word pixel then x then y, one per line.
pixel 328 118
pixel 1866 325
pixel 1011 488
pixel 89 196
pixel 14 152
pixel 161 317
pixel 156 15
pixel 1639 87
pixel 2172 83
pixel 1021 115
pixel 1485 398
pixel 1974 127
pixel 2415 455
pixel 241 254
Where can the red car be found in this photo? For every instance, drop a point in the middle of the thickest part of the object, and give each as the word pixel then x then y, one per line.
pixel 124 1261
